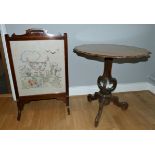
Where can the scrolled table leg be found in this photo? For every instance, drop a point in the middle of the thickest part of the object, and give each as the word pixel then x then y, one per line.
pixel 122 105
pixel 98 116
pixel 91 97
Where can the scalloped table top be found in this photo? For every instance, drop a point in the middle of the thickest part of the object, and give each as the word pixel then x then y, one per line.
pixel 111 51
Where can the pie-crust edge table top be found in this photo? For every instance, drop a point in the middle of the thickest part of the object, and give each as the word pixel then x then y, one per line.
pixel 111 51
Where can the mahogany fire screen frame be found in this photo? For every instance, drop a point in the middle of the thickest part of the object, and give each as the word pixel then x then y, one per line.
pixel 39 66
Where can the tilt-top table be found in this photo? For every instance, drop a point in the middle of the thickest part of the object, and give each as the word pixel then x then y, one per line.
pixel 105 82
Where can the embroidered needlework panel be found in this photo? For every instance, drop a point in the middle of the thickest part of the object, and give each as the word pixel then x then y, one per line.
pixel 39 66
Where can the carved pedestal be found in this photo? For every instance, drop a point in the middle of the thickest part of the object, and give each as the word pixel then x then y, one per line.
pixel 106 84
